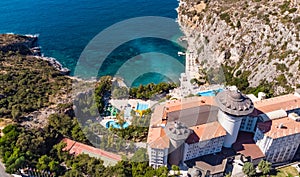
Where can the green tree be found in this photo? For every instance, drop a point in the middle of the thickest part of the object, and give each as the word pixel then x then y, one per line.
pixel 43 163
pixel 16 112
pixel 120 92
pixel 58 153
pixel 264 167
pixel 77 133
pixel 176 169
pixel 249 169
pixel 103 86
pixel 54 166
pixel 228 174
pixel 139 169
pixel 140 155
pixel 162 171
pixel 120 119
pixel 60 123
pixel 74 173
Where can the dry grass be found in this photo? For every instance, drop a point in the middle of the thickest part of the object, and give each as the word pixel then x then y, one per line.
pixel 286 171
pixel 10 38
pixel 4 122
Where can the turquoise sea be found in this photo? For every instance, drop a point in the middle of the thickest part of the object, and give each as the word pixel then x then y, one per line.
pixel 65 27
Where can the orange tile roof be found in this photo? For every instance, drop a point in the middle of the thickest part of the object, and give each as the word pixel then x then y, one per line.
pixel 271 128
pixel 157 138
pixel 245 145
pixel 78 148
pixel 206 131
pixel 156 117
pixel 285 102
pixel 70 143
pixel 195 116
pixel 186 103
pixel 212 169
pixel 160 143
pixel 154 133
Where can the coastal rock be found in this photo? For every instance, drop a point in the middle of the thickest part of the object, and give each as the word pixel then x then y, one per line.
pixel 18 43
pixel 28 45
pixel 53 62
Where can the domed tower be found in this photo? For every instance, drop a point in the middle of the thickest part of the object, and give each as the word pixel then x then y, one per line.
pixel 178 133
pixel 233 106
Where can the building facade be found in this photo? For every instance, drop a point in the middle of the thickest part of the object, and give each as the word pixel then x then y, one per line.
pixel 202 148
pixel 279 139
pixel 158 157
pixel 185 129
pixel 248 124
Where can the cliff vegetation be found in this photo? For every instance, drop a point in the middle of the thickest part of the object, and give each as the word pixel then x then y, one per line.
pixel 258 37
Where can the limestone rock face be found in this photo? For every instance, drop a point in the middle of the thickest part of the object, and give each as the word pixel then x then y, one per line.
pixel 259 36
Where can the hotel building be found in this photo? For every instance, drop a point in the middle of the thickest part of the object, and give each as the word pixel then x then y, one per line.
pixel 181 130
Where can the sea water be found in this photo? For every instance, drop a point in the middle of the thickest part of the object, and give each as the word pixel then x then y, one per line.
pixel 65 27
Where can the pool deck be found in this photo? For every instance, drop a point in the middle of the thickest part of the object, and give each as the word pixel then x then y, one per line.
pixel 123 103
pixel 210 92
pixel 186 88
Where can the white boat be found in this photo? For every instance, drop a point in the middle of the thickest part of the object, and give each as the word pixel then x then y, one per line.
pixel 181 53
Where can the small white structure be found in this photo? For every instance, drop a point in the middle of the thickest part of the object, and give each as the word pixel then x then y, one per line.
pixel 297 92
pixel 294 116
pixel 273 115
pixel 181 54
pixel 262 96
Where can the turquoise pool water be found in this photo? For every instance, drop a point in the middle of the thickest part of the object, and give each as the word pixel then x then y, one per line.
pixel 141 106
pixel 210 92
pixel 116 125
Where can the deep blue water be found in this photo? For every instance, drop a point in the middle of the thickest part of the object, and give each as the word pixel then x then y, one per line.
pixel 65 27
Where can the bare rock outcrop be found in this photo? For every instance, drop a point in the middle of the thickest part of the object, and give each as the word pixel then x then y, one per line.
pixel 257 36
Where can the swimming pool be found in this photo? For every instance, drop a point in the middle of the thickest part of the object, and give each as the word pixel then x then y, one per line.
pixel 210 92
pixel 142 106
pixel 116 125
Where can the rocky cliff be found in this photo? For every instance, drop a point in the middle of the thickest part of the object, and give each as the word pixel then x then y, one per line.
pixel 258 39
pixel 18 43
pixel 27 45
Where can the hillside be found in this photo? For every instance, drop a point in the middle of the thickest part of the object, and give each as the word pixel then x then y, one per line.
pixel 257 39
pixel 27 82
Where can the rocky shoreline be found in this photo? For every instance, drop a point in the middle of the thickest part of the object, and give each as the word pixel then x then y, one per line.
pixel 28 45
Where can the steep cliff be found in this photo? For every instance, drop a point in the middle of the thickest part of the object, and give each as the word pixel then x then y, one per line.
pixel 18 43
pixel 256 39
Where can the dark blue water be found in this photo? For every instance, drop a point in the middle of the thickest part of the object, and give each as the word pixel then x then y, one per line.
pixel 65 27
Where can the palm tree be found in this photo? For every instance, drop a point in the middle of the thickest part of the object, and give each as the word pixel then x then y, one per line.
pixel 264 167
pixel 249 169
pixel 120 119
